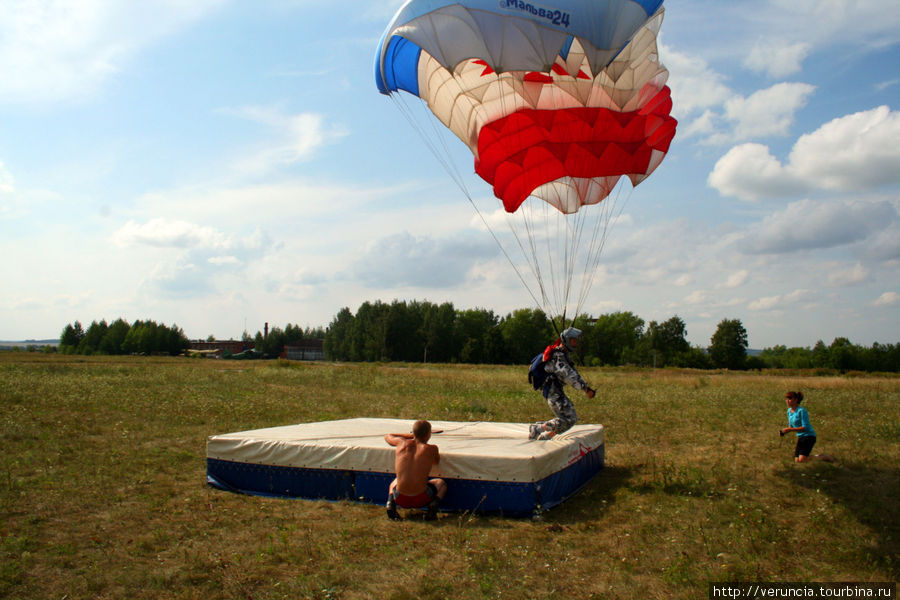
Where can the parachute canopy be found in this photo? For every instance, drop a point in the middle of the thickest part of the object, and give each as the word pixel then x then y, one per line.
pixel 556 102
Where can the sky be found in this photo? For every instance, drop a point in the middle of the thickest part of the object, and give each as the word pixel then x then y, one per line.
pixel 220 164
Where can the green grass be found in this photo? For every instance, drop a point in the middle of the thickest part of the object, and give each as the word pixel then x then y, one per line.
pixel 103 494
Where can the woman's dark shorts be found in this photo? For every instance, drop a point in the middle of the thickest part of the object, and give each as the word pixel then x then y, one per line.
pixel 804 445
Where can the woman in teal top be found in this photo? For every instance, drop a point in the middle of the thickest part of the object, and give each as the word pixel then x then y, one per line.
pixel 798 421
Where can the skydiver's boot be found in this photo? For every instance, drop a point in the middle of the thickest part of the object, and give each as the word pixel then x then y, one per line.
pixel 535 430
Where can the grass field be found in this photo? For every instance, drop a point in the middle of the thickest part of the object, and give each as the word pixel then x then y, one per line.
pixel 103 493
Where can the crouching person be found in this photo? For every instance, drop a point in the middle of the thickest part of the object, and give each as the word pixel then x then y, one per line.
pixel 413 459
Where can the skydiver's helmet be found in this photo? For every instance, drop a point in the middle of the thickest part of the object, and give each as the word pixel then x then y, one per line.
pixel 568 335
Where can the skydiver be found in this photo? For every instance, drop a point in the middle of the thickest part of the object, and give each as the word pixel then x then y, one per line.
pixel 560 369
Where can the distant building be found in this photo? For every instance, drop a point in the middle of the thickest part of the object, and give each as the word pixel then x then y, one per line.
pixel 219 347
pixel 305 350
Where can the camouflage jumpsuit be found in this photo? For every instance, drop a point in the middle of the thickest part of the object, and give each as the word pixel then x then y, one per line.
pixel 561 371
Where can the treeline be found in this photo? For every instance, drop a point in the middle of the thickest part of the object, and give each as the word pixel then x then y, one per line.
pixel 420 331
pixel 140 337
pixel 841 355
pixel 423 331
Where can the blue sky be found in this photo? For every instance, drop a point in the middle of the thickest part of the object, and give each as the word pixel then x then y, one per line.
pixel 221 164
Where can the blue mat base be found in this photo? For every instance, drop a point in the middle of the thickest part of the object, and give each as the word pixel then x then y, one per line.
pixel 512 499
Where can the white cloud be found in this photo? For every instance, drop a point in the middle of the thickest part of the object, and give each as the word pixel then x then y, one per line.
pixel 209 260
pixel 867 23
pixel 887 299
pixel 10 206
pixel 885 245
pixel 296 138
pixel 405 260
pixel 695 85
pixel 53 51
pixel 7 185
pixel 858 151
pixel 181 280
pixel 697 297
pixel 736 279
pixel 765 303
pixel 799 295
pixel 609 306
pixel 850 276
pixel 725 116
pixel 702 126
pixel 777 59
pixel 223 260
pixel 768 112
pixel 750 172
pixel 808 224
pixel 276 203
pixel 778 301
pixel 168 234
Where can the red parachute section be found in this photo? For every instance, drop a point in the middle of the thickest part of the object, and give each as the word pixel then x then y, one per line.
pixel 529 148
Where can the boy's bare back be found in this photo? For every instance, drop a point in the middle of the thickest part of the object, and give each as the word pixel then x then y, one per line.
pixel 412 463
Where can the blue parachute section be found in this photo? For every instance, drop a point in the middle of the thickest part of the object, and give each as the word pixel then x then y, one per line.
pixel 507 34
pixel 400 67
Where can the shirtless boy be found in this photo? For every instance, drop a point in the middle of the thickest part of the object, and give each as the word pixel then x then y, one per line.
pixel 413 459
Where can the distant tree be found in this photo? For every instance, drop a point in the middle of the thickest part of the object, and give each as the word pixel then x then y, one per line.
pixel 881 357
pixel 694 358
pixel 404 324
pixel 90 343
pixel 728 345
pixel 115 337
pixel 525 332
pixel 70 338
pixel 842 355
pixel 437 331
pixel 337 342
pixel 660 345
pixel 613 337
pixel 821 357
pixel 669 338
pixel 178 342
pixel 370 339
pixel 472 334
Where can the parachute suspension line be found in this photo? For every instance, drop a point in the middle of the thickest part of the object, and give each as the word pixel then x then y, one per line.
pixel 611 214
pixel 592 252
pixel 438 147
pixel 527 214
pixel 529 249
pixel 581 219
pixel 435 142
pixel 523 234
